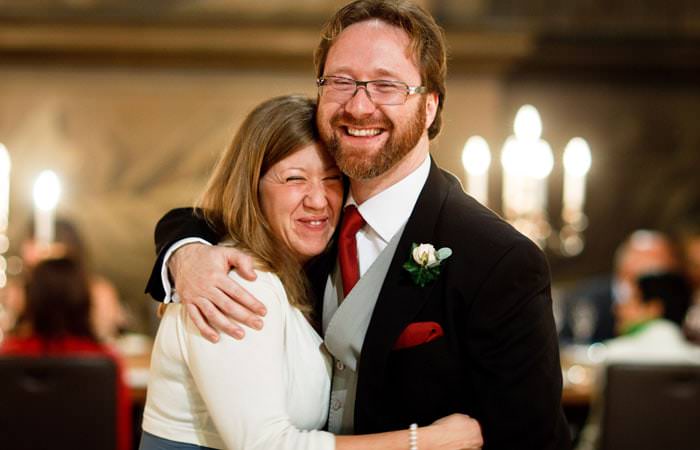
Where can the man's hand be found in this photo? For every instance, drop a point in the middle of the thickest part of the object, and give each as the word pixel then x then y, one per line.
pixel 213 300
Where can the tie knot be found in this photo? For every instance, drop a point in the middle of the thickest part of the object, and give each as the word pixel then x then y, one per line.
pixel 352 221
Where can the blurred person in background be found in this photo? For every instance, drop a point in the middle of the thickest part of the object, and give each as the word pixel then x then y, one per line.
pixel 107 316
pixel 588 309
pixel 56 322
pixel 689 243
pixel 648 318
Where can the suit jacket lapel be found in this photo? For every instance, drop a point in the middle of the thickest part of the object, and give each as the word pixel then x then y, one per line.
pixel 400 299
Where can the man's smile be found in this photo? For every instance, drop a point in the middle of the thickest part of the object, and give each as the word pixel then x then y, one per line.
pixel 362 132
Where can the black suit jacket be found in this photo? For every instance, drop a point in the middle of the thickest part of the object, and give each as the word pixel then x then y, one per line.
pixel 498 359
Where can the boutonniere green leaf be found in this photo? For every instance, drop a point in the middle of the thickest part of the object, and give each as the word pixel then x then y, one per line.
pixel 424 263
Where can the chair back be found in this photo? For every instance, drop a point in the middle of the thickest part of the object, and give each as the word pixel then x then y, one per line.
pixel 651 407
pixel 55 403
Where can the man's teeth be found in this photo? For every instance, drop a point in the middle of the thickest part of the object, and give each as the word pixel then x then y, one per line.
pixel 363 132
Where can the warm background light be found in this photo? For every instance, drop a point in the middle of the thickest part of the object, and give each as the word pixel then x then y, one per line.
pixel 577 157
pixel 5 165
pixel 47 190
pixel 476 156
pixel 476 159
pixel 528 124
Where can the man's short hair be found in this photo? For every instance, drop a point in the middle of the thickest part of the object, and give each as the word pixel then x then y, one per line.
pixel 427 41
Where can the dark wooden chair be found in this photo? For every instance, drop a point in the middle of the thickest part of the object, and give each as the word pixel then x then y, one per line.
pixel 651 407
pixel 55 403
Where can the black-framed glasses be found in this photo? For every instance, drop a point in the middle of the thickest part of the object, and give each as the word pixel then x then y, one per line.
pixel 381 92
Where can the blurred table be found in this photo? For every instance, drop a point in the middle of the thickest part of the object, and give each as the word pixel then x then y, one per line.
pixel 135 351
pixel 137 367
pixel 579 366
pixel 576 395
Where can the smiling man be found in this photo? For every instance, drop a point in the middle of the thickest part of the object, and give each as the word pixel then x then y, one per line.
pixel 477 335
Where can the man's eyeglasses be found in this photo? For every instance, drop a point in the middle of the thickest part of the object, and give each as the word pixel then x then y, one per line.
pixel 381 92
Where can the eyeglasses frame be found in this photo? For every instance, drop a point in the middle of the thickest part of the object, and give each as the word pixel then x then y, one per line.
pixel 410 90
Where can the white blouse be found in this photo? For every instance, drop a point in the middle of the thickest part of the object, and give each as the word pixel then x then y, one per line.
pixel 267 391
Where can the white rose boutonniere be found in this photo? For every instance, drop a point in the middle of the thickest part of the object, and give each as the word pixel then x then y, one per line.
pixel 425 262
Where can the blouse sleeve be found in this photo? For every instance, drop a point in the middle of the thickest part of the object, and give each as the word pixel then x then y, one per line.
pixel 243 382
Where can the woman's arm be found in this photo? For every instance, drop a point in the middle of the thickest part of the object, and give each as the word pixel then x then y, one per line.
pixel 456 431
pixel 243 383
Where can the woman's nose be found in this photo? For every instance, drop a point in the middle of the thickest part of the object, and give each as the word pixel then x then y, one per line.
pixel 316 196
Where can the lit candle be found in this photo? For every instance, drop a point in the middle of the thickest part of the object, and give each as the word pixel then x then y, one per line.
pixel 577 162
pixel 47 190
pixel 4 188
pixel 535 160
pixel 541 163
pixel 476 159
pixel 513 179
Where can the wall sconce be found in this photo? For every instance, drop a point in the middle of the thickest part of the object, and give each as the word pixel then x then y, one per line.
pixel 527 162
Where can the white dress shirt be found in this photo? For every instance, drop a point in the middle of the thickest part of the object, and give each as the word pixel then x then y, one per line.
pixel 385 214
pixel 261 392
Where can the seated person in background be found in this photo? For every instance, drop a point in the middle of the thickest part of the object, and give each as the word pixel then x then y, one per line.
pixel 648 319
pixel 107 316
pixel 588 308
pixel 56 321
pixel 689 241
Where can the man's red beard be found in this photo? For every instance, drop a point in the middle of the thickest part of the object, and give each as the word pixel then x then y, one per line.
pixel 355 162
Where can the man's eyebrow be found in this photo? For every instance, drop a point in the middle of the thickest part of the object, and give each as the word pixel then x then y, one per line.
pixel 380 73
pixel 387 73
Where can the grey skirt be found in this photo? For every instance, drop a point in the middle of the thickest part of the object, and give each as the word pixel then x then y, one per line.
pixel 151 442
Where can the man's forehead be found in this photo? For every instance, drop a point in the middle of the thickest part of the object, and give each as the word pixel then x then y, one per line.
pixel 376 27
pixel 381 36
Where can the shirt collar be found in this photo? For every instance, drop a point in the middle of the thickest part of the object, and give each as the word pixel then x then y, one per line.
pixel 387 211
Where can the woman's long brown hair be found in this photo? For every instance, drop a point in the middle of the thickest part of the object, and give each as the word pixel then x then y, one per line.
pixel 231 205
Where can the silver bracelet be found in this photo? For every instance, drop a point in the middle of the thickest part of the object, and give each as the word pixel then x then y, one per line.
pixel 413 437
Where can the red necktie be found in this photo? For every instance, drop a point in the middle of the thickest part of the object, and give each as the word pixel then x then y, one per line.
pixel 347 248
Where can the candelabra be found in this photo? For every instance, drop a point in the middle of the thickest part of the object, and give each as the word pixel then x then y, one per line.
pixel 527 162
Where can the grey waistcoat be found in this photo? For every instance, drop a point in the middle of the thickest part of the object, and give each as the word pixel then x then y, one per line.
pixel 344 330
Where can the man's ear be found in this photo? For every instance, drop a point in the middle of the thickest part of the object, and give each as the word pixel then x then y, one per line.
pixel 431 106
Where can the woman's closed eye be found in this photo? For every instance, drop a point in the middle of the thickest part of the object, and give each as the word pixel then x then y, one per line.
pixel 295 179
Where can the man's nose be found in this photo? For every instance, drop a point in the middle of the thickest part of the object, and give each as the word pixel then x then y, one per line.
pixel 360 104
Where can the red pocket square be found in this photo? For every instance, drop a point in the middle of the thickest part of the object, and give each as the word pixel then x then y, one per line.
pixel 418 333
